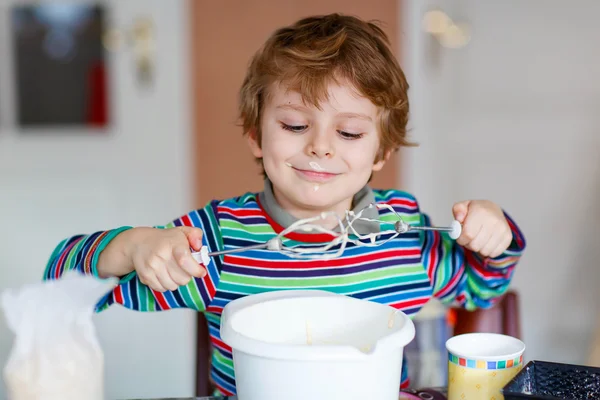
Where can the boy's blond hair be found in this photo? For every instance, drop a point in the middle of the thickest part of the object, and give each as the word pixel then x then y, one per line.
pixel 308 55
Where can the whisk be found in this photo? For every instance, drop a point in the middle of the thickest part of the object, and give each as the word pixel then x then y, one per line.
pixel 340 237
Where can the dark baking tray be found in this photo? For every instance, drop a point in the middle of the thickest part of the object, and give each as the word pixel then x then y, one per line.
pixel 551 381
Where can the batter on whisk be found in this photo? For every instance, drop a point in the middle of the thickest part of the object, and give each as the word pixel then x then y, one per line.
pixel 323 105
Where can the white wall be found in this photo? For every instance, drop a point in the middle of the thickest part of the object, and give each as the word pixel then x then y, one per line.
pixel 513 117
pixel 55 183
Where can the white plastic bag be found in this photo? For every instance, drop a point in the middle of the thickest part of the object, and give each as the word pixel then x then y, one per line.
pixel 55 354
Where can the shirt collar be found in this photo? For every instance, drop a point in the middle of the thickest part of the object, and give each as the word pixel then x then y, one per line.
pixel 361 200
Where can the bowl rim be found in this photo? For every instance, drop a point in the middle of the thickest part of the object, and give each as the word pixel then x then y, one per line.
pixel 315 352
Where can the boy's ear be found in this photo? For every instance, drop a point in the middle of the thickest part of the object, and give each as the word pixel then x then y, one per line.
pixel 252 138
pixel 379 164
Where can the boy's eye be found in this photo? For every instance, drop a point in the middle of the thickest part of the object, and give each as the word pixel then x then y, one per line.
pixel 350 136
pixel 302 128
pixel 294 128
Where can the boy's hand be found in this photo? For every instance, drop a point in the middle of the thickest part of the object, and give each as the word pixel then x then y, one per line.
pixel 162 257
pixel 484 227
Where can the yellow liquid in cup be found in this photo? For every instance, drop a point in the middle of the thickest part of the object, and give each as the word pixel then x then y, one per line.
pixel 478 384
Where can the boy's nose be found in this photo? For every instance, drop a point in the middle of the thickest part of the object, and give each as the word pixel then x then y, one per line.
pixel 321 152
pixel 321 146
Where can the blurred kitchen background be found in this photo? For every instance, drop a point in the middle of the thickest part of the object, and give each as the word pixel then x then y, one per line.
pixel 124 113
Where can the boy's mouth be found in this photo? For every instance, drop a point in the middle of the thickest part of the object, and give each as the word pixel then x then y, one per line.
pixel 314 176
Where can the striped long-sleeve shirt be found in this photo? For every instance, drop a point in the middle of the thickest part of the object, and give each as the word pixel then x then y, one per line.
pixel 404 272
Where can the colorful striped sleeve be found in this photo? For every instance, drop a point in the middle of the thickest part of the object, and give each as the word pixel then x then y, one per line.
pixel 81 253
pixel 463 278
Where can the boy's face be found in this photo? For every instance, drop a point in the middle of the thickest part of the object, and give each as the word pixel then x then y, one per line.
pixel 318 159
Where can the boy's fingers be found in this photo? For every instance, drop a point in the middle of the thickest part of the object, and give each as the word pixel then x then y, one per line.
pixel 489 247
pixel 178 274
pixel 152 283
pixel 165 280
pixel 187 263
pixel 482 238
pixel 193 235
pixel 460 211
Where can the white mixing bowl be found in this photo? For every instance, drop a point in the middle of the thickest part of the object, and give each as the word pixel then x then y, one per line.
pixel 309 344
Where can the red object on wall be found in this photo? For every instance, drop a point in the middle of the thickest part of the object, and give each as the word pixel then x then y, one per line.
pixel 97 112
